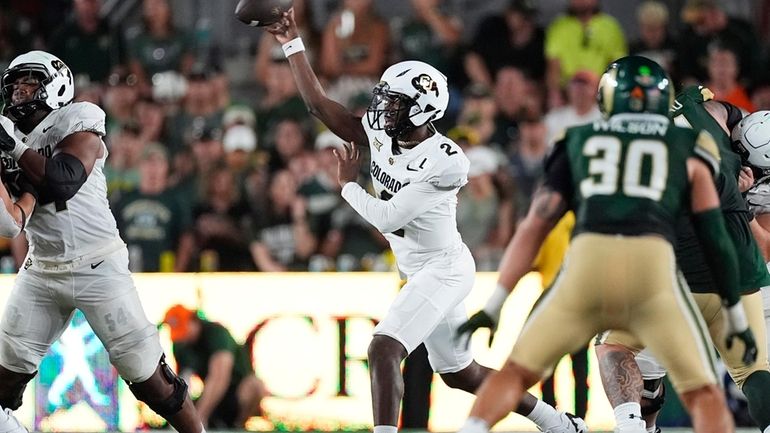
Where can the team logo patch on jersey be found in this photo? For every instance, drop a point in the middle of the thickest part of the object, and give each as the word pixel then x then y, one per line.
pixel 377 144
pixel 424 84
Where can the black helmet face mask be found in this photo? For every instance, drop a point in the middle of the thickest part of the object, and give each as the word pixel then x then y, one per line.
pixel 23 91
pixel 389 111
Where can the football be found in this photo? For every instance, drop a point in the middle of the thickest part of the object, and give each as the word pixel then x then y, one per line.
pixel 258 13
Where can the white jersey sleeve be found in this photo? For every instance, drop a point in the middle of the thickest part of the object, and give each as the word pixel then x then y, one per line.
pixel 388 216
pixel 84 117
pixel 758 197
pixel 453 174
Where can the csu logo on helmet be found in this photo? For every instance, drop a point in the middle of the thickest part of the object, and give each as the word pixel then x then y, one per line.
pixel 424 84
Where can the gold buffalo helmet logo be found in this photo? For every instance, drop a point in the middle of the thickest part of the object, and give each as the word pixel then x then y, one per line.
pixel 424 84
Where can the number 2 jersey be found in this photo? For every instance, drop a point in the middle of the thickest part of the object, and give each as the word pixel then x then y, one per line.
pixel 84 224
pixel 628 174
pixel 416 201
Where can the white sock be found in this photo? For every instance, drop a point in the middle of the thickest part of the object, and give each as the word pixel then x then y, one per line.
pixel 767 430
pixel 545 416
pixel 651 429
pixel 385 429
pixel 628 414
pixel 203 430
pixel 474 425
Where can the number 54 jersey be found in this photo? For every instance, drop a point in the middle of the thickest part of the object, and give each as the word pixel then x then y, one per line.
pixel 628 174
pixel 419 187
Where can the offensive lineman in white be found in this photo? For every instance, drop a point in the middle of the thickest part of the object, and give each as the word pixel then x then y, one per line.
pixel 416 172
pixel 76 258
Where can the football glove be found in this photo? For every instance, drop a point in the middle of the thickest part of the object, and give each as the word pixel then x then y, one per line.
pixel 8 141
pixel 18 183
pixel 479 320
pixel 738 327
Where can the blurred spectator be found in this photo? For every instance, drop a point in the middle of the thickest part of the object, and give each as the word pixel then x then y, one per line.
pixel 17 35
pixel 583 38
pixel 654 40
pixel 239 144
pixel 221 219
pixel 477 117
pixel 512 39
pixel 707 23
pixel 122 168
pixel 484 217
pixel 283 240
pixel 355 42
pixel 151 116
pixel 232 393
pixel 581 105
pixel 200 110
pixel 432 34
pixel 120 98
pixel 156 45
pixel 723 71
pixel 526 162
pixel 269 51
pixel 280 100
pixel 86 43
pixel 193 169
pixel 321 192
pixel 153 220
pixel 511 92
pixel 289 141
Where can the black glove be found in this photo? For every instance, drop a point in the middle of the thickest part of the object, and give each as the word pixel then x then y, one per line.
pixel 750 353
pixel 479 320
pixel 7 139
pixel 18 183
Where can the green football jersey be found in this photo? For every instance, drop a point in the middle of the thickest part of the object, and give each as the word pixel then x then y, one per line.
pixel 628 174
pixel 688 110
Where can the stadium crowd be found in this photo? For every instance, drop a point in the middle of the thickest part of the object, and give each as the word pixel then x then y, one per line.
pixel 204 176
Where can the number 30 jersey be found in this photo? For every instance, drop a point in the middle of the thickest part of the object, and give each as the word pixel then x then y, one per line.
pixel 62 231
pixel 628 174
pixel 415 206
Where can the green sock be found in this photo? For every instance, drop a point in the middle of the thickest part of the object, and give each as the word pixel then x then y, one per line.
pixel 757 391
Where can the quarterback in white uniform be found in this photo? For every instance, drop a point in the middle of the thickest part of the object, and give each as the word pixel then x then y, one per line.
pixel 417 173
pixel 76 258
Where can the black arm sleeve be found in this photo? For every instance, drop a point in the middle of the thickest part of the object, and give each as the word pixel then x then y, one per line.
pixel 734 115
pixel 64 175
pixel 558 175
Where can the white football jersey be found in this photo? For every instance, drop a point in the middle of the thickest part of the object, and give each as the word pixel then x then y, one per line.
pixel 758 197
pixel 63 231
pixel 436 169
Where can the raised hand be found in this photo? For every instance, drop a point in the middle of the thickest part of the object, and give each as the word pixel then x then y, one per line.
pixel 479 320
pixel 284 29
pixel 348 163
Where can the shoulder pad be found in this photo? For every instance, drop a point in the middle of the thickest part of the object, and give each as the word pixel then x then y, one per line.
pixel 451 171
pixel 707 150
pixel 83 117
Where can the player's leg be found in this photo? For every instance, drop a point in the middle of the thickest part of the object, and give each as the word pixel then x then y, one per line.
pixel 32 320
pixel 754 379
pixel 250 393
pixel 679 340
pixel 109 300
pixel 450 358
pixel 575 299
pixel 622 382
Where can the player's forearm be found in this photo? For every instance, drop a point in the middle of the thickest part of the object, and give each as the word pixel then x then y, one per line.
pixel 391 215
pixel 521 252
pixel 719 252
pixel 33 166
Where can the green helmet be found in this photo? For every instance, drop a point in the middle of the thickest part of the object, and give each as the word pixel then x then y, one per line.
pixel 635 84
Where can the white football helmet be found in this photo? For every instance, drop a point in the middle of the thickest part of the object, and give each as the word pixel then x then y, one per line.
pixel 56 84
pixel 409 94
pixel 752 137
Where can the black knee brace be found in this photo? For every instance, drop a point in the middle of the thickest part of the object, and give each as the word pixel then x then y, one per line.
pixel 12 390
pixel 171 404
pixel 653 396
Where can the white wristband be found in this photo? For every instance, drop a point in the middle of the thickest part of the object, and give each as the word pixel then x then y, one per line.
pixel 294 46
pixel 495 302
pixel 18 150
pixel 736 317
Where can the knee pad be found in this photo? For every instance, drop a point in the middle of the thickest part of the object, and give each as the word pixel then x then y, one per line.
pixel 653 396
pixel 164 407
pixel 11 391
pixel 136 357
